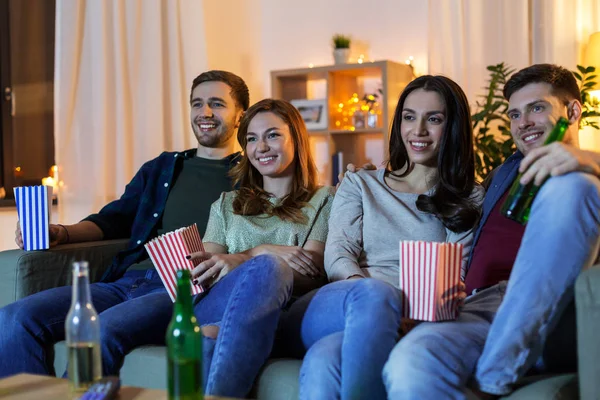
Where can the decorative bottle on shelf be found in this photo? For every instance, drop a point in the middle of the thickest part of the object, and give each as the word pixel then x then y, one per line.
pixel 82 330
pixel 520 197
pixel 184 346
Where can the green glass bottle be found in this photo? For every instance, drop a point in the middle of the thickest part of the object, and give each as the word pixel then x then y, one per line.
pixel 520 197
pixel 184 346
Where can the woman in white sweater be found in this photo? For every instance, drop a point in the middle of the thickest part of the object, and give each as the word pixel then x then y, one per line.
pixel 427 192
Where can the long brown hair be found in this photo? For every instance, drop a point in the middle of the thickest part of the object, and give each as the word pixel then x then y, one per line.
pixel 251 198
pixel 451 201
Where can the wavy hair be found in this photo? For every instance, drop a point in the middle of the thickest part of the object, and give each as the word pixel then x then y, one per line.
pixel 251 198
pixel 451 200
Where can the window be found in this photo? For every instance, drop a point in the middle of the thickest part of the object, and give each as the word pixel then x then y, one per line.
pixel 27 87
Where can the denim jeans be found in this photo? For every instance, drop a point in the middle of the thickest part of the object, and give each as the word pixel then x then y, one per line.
pixel 135 311
pixel 246 304
pixel 499 337
pixel 349 329
pixel 31 326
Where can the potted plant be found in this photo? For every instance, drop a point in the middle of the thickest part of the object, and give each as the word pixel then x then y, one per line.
pixel 341 48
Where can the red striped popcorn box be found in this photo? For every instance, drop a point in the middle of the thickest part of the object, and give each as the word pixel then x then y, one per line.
pixel 33 208
pixel 429 279
pixel 168 252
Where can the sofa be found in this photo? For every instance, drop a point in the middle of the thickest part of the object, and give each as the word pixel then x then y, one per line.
pixel 26 272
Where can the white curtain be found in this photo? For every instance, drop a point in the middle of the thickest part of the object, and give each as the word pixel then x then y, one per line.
pixel 465 36
pixel 123 71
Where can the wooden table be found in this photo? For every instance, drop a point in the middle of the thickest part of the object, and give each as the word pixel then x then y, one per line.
pixel 29 387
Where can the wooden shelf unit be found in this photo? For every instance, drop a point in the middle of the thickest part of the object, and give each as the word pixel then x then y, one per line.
pixel 340 82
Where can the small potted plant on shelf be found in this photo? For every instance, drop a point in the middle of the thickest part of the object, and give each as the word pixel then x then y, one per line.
pixel 341 48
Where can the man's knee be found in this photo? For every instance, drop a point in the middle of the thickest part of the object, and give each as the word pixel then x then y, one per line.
pixel 571 188
pixel 570 199
pixel 13 318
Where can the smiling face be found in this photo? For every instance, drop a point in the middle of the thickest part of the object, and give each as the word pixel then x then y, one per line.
pixel 533 111
pixel 214 114
pixel 423 124
pixel 270 146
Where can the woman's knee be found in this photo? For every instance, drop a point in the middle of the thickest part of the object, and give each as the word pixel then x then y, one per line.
pixel 270 268
pixel 376 293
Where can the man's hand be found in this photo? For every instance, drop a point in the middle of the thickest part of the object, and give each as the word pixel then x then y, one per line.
pixel 57 235
pixel 295 257
pixel 215 266
pixel 557 159
pixel 353 168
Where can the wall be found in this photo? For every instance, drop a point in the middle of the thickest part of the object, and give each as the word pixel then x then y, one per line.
pixel 266 35
pixel 296 34
pixel 8 222
pixel 232 29
pixel 253 37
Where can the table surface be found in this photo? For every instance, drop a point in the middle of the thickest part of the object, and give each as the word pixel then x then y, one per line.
pixel 28 386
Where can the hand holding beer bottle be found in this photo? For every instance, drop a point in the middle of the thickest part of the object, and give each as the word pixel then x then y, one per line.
pixel 184 346
pixel 520 197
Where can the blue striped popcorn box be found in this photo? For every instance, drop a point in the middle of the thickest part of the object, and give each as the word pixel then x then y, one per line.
pixel 429 279
pixel 33 207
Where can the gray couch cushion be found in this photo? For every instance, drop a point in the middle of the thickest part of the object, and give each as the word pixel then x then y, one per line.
pixel 27 272
pixel 559 387
pixel 278 380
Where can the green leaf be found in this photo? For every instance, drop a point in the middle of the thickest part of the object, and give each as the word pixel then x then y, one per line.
pixel 590 69
pixel 581 69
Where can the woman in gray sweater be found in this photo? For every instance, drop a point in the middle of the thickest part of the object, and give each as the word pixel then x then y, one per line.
pixel 427 192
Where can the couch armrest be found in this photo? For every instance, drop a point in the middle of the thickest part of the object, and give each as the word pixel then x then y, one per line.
pixel 26 272
pixel 587 302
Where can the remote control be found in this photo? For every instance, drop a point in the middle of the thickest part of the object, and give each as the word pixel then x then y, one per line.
pixel 104 389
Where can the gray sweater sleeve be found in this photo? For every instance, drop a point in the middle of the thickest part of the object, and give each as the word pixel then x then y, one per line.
pixel 344 241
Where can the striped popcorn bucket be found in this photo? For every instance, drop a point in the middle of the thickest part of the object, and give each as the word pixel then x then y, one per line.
pixel 33 209
pixel 429 278
pixel 168 252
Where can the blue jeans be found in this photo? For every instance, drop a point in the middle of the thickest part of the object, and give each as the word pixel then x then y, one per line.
pixel 501 333
pixel 246 304
pixel 349 329
pixel 31 326
pixel 135 311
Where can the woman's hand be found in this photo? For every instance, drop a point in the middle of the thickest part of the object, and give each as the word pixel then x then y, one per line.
pixel 215 266
pixel 295 257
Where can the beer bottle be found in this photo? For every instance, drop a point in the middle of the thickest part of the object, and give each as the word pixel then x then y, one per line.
pixel 184 346
pixel 82 330
pixel 520 197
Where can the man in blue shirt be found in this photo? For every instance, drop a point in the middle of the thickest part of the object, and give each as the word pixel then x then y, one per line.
pixel 173 190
